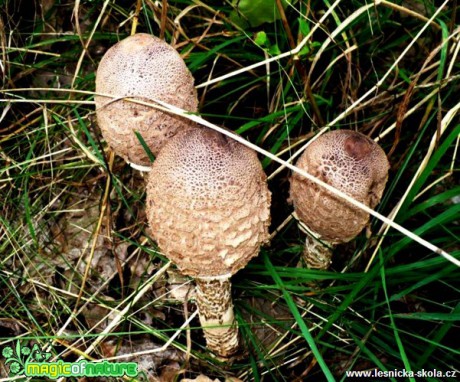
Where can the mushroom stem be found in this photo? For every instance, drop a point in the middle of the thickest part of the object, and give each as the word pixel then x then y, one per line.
pixel 215 309
pixel 317 254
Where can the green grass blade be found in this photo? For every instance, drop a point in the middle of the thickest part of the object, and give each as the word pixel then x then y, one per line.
pixel 437 338
pixel 145 147
pixel 402 351
pixel 295 312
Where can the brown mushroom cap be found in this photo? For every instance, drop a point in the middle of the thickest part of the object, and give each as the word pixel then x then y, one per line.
pixel 350 162
pixel 208 203
pixel 142 67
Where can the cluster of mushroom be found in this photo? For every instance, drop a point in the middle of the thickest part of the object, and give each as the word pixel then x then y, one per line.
pixel 208 204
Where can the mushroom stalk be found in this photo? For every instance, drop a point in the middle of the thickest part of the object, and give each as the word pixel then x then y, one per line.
pixel 215 308
pixel 316 254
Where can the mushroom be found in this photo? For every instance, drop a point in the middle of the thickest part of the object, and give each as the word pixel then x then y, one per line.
pixel 145 68
pixel 208 206
pixel 353 164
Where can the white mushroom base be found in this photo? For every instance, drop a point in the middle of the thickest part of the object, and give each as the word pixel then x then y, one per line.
pixel 215 309
pixel 140 167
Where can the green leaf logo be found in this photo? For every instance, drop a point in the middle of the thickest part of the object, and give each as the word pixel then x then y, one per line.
pixel 17 357
pixel 7 352
pixel 14 357
pixel 37 355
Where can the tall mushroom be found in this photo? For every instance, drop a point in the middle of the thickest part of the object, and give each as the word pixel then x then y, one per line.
pixel 145 68
pixel 355 165
pixel 208 206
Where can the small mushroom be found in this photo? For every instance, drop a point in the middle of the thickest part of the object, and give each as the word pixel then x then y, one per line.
pixel 353 164
pixel 145 68
pixel 208 206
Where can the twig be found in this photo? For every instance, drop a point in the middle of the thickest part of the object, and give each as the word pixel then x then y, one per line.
pixel 164 13
pixel 136 17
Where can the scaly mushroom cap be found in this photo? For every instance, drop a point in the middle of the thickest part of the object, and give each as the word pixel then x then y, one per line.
pixel 208 203
pixel 350 162
pixel 146 68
